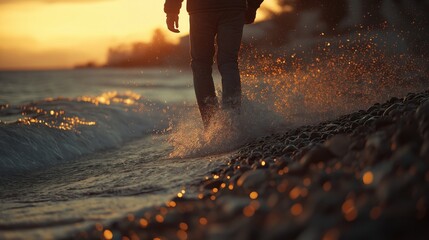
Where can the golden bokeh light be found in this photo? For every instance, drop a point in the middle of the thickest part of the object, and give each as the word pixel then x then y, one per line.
pixel 143 222
pixel 368 177
pixel 249 211
pixel 183 226
pixel 295 193
pixel 159 218
pixel 203 221
pixel 200 196
pixel 296 209
pixel 182 235
pixel 172 204
pixel 349 210
pixel 253 195
pixel 108 234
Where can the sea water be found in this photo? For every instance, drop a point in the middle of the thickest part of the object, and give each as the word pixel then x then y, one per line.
pixel 79 147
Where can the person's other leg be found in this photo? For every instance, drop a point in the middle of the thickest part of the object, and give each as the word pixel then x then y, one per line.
pixel 230 32
pixel 202 34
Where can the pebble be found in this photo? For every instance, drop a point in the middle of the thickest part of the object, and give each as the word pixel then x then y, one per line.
pixel 315 155
pixel 338 145
pixel 361 176
pixel 252 179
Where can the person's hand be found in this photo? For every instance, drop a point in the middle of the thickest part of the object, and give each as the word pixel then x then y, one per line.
pixel 173 22
pixel 250 15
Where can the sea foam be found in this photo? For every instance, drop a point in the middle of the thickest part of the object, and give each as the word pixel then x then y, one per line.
pixel 57 130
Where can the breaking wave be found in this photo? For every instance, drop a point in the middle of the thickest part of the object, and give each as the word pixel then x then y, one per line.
pixel 52 131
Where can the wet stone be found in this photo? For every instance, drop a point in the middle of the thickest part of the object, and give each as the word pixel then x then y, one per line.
pixel 423 111
pixel 406 156
pixel 338 145
pixel 406 135
pixel 368 184
pixel 233 205
pixel 252 179
pixel 424 151
pixel 381 172
pixel 370 121
pixel 377 147
pixel 373 108
pixel 315 155
pixel 393 188
pixel 392 108
pixel 357 145
pixel 282 231
pixel 215 183
pixel 296 168
pixel 382 122
pixel 289 149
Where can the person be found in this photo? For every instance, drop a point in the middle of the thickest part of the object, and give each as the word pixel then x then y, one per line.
pixel 211 21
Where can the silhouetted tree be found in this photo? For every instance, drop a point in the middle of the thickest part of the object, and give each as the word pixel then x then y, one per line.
pixel 332 11
pixel 141 54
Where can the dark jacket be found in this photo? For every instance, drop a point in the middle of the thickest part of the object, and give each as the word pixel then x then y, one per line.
pixel 194 6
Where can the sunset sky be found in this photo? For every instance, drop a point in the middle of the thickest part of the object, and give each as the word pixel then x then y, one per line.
pixel 40 34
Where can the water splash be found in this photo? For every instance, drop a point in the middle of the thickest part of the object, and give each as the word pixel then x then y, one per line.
pixel 226 132
pixel 290 87
pixel 332 77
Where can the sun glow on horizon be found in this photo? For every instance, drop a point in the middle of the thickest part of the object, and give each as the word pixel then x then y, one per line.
pixel 46 34
pixel 62 34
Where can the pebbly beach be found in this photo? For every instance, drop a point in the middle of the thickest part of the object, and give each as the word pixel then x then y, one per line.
pixel 364 175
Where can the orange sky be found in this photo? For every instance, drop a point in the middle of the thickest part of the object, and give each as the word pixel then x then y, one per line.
pixel 37 34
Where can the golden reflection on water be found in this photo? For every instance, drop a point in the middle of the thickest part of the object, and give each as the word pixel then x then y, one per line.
pixel 107 98
pixel 59 119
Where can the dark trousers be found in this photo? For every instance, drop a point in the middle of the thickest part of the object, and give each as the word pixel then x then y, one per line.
pixel 226 28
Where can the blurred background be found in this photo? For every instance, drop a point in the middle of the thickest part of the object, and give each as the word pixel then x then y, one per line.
pixel 58 34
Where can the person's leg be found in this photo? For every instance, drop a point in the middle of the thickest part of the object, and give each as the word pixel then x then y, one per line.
pixel 230 31
pixel 202 34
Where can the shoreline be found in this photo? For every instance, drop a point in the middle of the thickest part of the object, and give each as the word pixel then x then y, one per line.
pixel 362 175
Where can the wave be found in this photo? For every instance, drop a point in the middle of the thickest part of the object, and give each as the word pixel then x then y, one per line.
pixel 150 85
pixel 52 131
